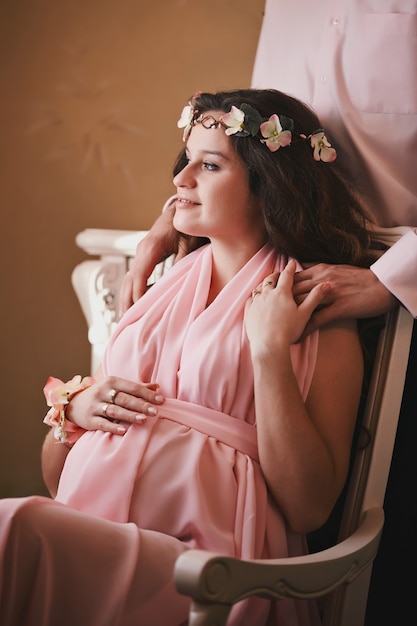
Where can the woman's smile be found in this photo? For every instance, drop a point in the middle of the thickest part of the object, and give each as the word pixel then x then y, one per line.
pixel 182 203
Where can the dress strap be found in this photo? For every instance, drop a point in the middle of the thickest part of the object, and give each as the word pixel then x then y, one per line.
pixel 232 431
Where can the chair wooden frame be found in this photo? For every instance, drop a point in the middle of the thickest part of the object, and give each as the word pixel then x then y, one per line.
pixel 340 575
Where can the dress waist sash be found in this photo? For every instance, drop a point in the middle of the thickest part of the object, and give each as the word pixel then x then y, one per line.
pixel 232 431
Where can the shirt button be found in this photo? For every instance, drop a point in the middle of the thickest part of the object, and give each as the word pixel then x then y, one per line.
pixel 336 20
pixel 324 79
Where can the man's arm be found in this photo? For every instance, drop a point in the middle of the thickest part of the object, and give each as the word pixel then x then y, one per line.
pixel 361 293
pixel 397 270
pixel 354 293
pixel 159 243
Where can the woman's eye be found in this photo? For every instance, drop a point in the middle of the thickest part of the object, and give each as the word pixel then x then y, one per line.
pixel 210 166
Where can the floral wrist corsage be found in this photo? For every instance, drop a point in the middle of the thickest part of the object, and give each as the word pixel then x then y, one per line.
pixel 58 394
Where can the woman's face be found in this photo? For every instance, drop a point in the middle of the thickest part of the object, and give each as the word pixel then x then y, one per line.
pixel 214 199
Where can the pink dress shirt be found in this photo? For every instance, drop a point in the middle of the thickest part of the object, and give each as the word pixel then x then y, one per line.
pixel 355 62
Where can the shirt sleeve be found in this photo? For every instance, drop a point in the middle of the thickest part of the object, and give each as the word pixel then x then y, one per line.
pixel 397 270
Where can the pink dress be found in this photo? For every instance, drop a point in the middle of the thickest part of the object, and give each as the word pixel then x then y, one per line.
pixel 189 478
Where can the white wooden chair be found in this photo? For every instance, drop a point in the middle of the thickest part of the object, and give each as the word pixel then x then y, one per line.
pixel 340 575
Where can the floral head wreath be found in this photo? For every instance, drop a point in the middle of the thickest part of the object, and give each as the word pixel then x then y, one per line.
pixel 275 132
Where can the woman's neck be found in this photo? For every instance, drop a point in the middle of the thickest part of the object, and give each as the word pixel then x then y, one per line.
pixel 228 261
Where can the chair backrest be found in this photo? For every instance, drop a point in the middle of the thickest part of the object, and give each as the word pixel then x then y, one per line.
pixel 371 466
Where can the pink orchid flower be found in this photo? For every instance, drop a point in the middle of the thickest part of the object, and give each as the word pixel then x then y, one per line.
pixel 233 120
pixel 272 132
pixel 323 150
pixel 58 394
pixel 185 120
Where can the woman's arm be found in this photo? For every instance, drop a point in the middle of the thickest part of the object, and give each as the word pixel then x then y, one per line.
pixel 93 409
pixel 53 457
pixel 304 448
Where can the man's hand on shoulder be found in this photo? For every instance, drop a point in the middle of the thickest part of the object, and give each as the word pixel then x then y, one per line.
pixel 354 293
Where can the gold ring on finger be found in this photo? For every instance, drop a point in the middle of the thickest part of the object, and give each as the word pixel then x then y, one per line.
pixel 113 393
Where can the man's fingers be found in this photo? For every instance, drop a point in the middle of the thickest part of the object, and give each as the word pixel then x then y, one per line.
pixel 125 294
pixel 315 297
pixel 319 318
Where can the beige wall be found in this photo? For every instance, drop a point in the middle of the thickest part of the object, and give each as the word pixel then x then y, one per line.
pixel 90 94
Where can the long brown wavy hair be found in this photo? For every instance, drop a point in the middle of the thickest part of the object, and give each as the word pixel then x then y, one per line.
pixel 310 209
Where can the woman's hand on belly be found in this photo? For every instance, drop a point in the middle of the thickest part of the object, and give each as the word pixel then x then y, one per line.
pixel 113 400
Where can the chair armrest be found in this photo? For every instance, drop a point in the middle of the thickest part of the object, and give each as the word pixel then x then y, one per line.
pixel 213 578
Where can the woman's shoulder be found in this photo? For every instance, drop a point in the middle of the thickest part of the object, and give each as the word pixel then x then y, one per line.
pixel 340 344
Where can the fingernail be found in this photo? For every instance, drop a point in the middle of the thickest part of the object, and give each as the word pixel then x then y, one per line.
pixel 151 410
pixel 140 419
pixel 121 429
pixel 159 398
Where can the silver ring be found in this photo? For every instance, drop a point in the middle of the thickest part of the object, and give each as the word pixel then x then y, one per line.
pixel 113 393
pixel 104 409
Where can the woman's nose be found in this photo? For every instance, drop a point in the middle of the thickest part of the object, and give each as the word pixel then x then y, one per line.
pixel 184 178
